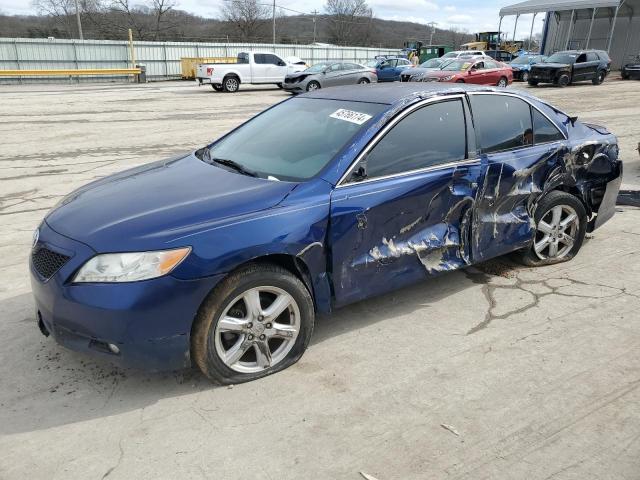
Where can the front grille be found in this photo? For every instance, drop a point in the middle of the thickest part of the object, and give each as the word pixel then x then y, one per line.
pixel 540 74
pixel 47 262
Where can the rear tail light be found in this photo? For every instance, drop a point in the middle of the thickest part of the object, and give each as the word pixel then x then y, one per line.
pixel 209 71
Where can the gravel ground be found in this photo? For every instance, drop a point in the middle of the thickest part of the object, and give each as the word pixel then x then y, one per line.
pixel 493 372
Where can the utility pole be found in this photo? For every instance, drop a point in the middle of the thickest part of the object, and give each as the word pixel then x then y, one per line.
pixel 79 22
pixel 433 30
pixel 274 23
pixel 315 14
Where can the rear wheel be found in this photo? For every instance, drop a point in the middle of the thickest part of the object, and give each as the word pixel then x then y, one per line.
pixel 599 78
pixel 563 80
pixel 231 84
pixel 258 321
pixel 503 82
pixel 561 223
pixel 313 85
pixel 363 81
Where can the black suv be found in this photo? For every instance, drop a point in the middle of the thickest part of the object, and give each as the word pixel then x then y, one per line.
pixel 563 68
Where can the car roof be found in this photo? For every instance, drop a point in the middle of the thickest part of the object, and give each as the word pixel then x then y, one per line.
pixel 396 92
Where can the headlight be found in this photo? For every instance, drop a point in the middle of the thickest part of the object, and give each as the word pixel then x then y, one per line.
pixel 446 79
pixel 130 267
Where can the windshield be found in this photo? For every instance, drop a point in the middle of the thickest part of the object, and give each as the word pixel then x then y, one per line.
pixel 521 60
pixel 457 66
pixel 372 63
pixel 449 55
pixel 317 68
pixel 295 139
pixel 433 63
pixel 561 58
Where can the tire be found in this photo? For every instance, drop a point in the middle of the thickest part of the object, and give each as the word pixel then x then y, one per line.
pixel 312 86
pixel 212 339
pixel 279 85
pixel 532 83
pixel 231 84
pixel 503 82
pixel 525 76
pixel 599 78
pixel 363 81
pixel 217 88
pixel 624 75
pixel 460 81
pixel 540 252
pixel 563 80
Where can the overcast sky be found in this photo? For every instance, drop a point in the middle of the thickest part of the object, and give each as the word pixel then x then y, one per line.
pixel 471 15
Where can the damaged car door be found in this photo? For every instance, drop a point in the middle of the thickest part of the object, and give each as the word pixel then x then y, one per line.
pixel 402 211
pixel 520 147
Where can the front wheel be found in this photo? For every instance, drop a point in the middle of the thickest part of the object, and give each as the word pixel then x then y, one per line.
pixel 312 86
pixel 363 81
pixel 599 78
pixel 258 321
pixel 503 82
pixel 532 83
pixel 561 224
pixel 525 76
pixel 280 86
pixel 563 80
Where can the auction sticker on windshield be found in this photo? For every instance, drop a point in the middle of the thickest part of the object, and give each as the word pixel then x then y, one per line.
pixel 350 116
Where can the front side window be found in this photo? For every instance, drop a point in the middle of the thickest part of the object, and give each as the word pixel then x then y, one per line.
pixel 260 58
pixel 295 139
pixel 272 59
pixel 543 130
pixel 503 122
pixel 592 57
pixel 432 135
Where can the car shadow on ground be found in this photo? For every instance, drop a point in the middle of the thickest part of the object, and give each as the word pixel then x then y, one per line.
pixel 45 385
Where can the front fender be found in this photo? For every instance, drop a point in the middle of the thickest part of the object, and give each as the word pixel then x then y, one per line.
pixel 296 227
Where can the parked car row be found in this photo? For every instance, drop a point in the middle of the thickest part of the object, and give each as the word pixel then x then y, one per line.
pixel 462 66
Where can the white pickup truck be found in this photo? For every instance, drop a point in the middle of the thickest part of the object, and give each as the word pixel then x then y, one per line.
pixel 251 67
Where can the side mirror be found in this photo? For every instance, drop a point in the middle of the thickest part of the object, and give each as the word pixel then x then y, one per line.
pixel 282 64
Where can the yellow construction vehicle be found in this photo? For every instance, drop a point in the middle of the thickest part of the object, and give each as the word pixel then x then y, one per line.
pixel 487 41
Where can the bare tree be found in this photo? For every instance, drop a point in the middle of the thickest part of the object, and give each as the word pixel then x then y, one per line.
pixel 346 17
pixel 247 16
pixel 160 10
pixel 60 11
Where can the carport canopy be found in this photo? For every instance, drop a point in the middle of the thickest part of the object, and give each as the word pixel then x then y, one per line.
pixel 537 6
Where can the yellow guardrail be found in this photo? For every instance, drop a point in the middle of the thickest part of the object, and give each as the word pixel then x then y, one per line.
pixel 69 73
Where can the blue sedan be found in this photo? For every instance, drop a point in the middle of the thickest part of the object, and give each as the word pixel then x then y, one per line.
pixel 389 69
pixel 522 65
pixel 222 257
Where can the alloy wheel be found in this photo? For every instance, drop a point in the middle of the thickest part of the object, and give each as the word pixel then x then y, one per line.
pixel 257 329
pixel 502 82
pixel 525 76
pixel 556 232
pixel 312 86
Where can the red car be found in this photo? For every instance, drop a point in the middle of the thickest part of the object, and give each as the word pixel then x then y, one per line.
pixel 485 71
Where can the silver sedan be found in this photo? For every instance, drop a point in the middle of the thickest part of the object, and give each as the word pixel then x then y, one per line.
pixel 324 75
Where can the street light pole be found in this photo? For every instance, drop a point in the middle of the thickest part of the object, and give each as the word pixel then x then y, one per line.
pixel 433 30
pixel 79 22
pixel 274 23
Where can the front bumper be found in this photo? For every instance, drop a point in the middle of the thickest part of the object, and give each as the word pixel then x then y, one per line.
pixel 293 87
pixel 633 73
pixel 149 321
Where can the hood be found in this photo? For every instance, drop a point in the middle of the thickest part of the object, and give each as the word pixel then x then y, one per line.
pixel 418 70
pixel 553 66
pixel 299 75
pixel 442 73
pixel 143 208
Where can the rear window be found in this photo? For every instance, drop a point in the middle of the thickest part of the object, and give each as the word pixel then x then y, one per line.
pixel 503 122
pixel 543 130
pixel 297 138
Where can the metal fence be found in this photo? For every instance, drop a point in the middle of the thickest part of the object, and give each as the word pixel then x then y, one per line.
pixel 162 59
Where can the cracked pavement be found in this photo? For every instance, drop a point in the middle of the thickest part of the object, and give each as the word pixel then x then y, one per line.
pixel 536 370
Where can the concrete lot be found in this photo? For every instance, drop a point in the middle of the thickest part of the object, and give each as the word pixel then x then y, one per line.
pixel 495 372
